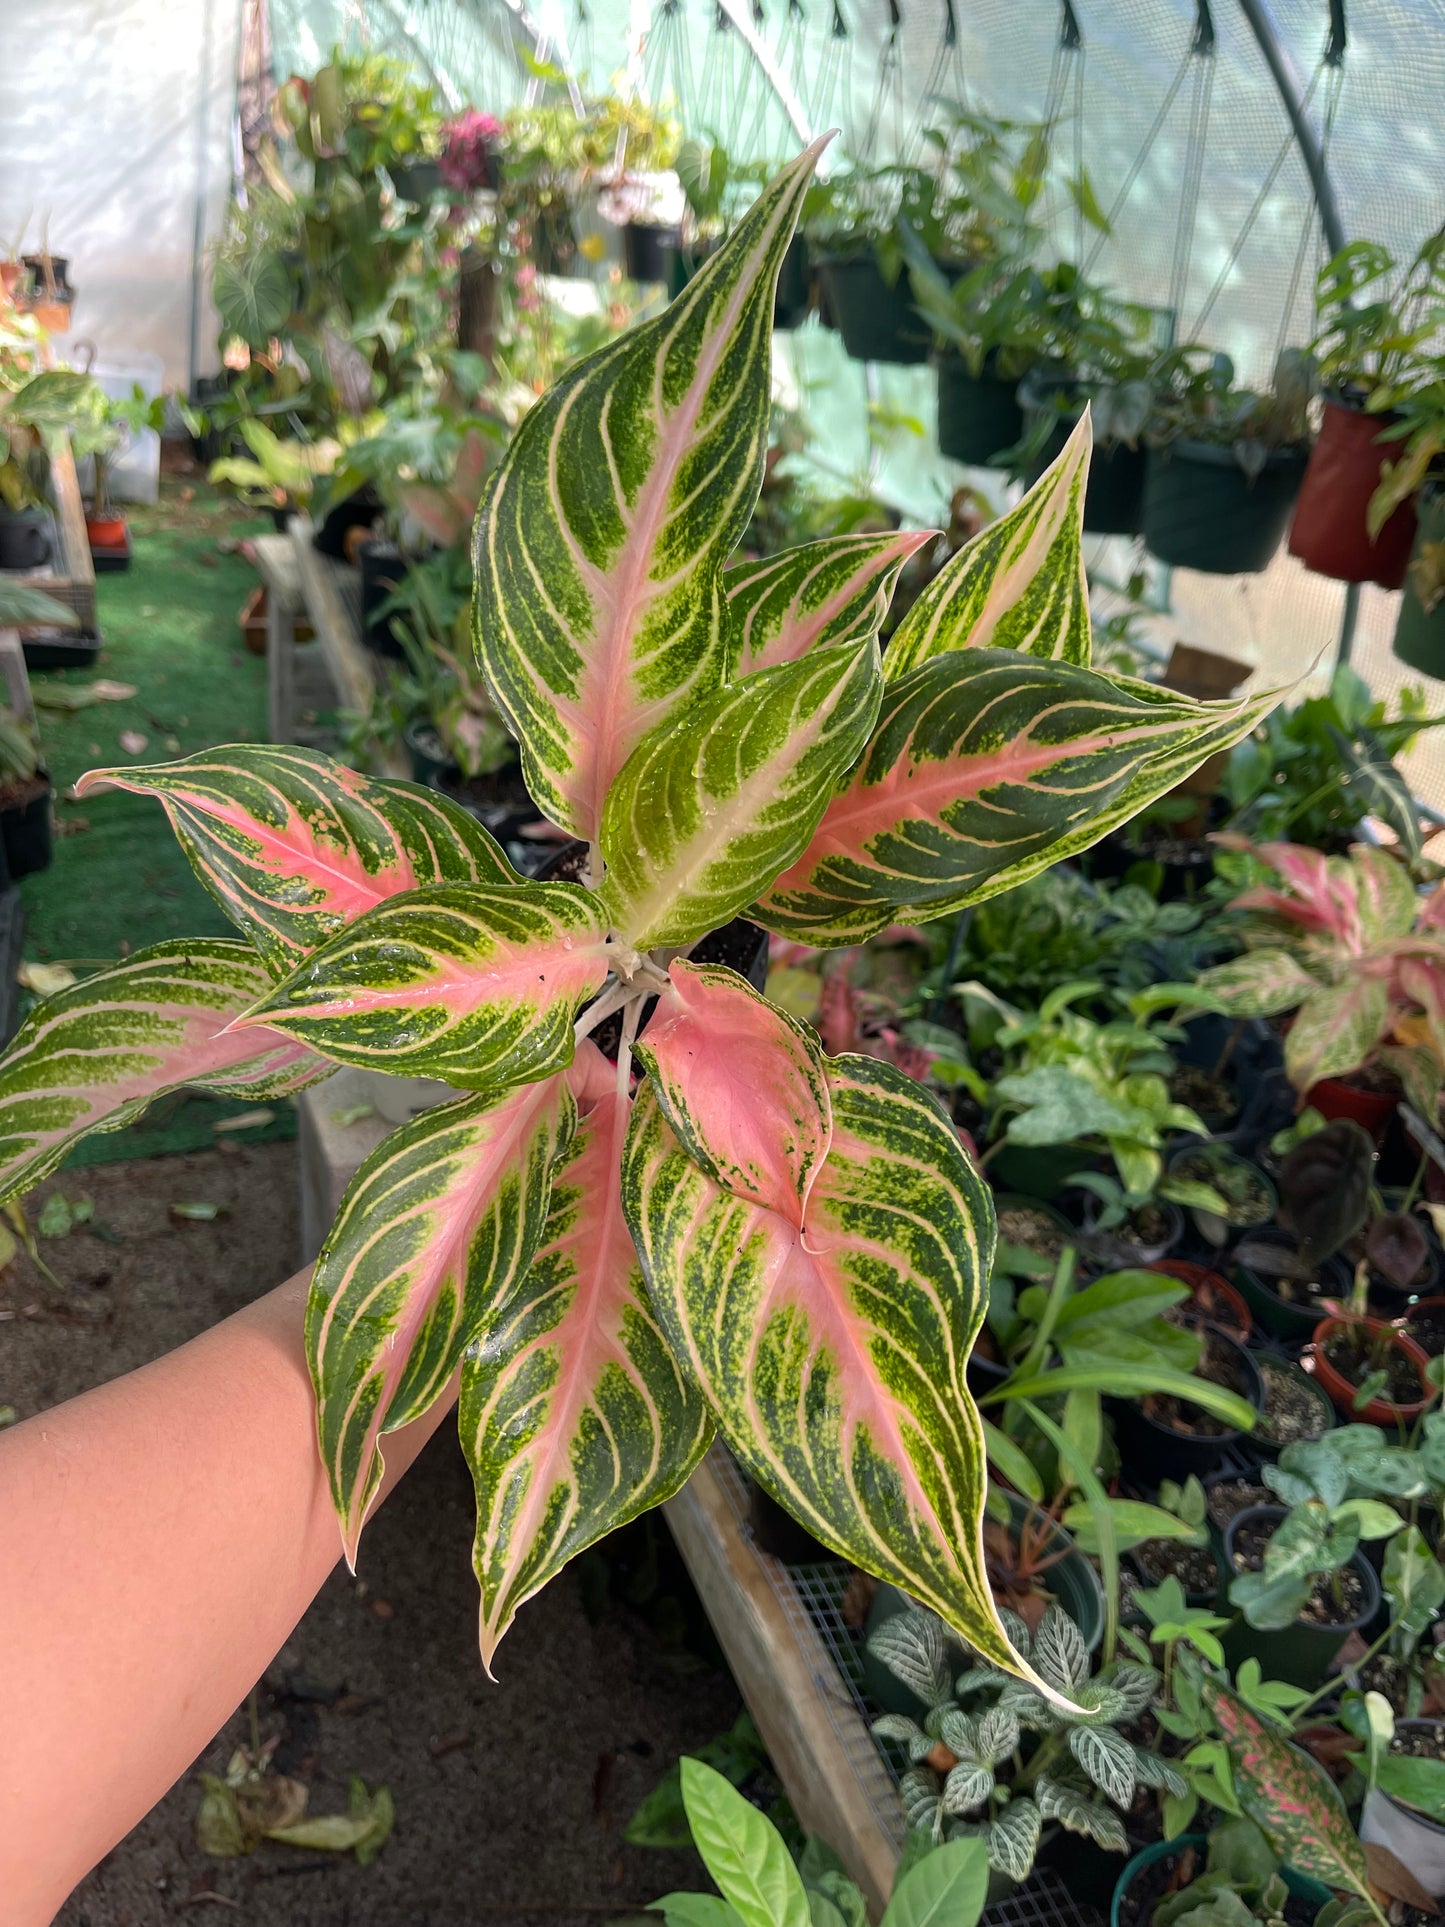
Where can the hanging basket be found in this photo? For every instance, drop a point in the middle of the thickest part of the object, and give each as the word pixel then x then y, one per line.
pixel 1201 511
pixel 877 322
pixel 1114 502
pixel 979 417
pixel 1329 533
pixel 1420 633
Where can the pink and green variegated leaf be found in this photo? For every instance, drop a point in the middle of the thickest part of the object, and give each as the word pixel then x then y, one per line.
pixel 1288 1795
pixel 742 1084
pixel 601 539
pixel 1019 584
pixel 837 590
pixel 1335 1030
pixel 575 1416
pixel 1261 983
pixel 1320 893
pixel 479 986
pixel 1384 893
pixel 833 1351
pixel 711 807
pixel 92 1057
pixel 434 1233
pixel 294 846
pixel 985 767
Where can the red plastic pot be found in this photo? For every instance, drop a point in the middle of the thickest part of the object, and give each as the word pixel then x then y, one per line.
pixel 1332 1097
pixel 1379 1411
pixel 1329 533
pixel 106 531
pixel 1240 1322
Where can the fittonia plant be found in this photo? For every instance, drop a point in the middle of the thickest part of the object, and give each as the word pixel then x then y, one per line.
pixel 790 1249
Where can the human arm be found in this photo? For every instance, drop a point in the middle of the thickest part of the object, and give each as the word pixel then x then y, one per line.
pixel 160 1537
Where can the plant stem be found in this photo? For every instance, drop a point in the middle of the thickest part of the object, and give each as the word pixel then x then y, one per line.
pixel 1333 1681
pixel 630 1017
pixel 1415 1183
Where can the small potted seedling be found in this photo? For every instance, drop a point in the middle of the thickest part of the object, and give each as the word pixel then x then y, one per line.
pixel 1243 1195
pixel 1300 1582
pixel 1171 1434
pixel 1371 1369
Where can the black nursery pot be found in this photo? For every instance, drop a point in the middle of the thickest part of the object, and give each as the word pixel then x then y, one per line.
pixel 382 568
pixel 979 417
pixel 1299 1654
pixel 24 538
pixel 359 511
pixel 1151 1451
pixel 794 298
pixel 1291 1319
pixel 645 250
pixel 25 835
pixel 1201 511
pixel 1114 499
pixel 877 322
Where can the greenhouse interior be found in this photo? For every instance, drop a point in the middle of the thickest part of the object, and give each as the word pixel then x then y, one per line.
pixel 905 537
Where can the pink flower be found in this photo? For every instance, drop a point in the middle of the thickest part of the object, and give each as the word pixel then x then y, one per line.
pixel 469 160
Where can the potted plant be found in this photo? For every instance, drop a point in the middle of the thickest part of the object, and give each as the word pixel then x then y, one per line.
pixel 26 797
pixel 1420 627
pixel 1231 1875
pixel 1405 1806
pixel 1380 430
pixel 1175 1437
pixel 1371 1369
pixel 1212 1300
pixel 851 231
pixel 1242 1196
pixel 1225 464
pixel 1286 1287
pixel 117 420
pixel 1295 1407
pixel 34 410
pixel 1302 1592
pixel 384 928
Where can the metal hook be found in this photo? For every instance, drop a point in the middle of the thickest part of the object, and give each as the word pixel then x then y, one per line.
pixel 1070 38
pixel 1204 36
pixel 1335 51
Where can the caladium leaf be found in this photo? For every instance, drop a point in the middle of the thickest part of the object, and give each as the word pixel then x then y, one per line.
pixel 602 535
pixel 435 1231
pixel 712 806
pixel 833 1350
pixel 755 1078
pixel 836 590
pixel 575 1416
pixel 476 985
pixel 293 846
pixel 92 1057
pixel 1018 584
pixel 1288 1795
pixel 986 767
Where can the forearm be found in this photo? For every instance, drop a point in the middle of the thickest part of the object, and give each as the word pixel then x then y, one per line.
pixel 159 1539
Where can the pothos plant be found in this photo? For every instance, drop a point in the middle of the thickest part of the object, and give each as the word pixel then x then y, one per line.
pixel 752 1239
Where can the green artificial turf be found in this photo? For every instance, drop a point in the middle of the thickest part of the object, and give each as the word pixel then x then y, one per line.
pixel 119 880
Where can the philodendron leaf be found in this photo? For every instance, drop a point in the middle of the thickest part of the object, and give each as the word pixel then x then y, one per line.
pixel 743 1851
pixel 985 768
pixel 1288 1795
pixel 602 535
pixel 476 985
pixel 832 1343
pixel 294 846
pixel 1018 584
pixel 782 606
pixel 434 1232
pixel 575 1416
pixel 92 1057
pixel 711 806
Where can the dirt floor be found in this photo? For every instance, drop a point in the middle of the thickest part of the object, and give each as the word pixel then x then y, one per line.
pixel 510 1798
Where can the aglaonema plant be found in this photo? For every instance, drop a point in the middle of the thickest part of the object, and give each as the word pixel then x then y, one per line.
pixel 723 1229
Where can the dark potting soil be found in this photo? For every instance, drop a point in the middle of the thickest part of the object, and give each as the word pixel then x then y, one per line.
pixel 16 796
pixel 1150 1225
pixel 1402 1381
pixel 1390 1677
pixel 1020 1224
pixel 1420 1742
pixel 1219 1363
pixel 1202 1091
pixel 1227 1497
pixel 1337 1599
pixel 1245 1191
pixel 1427 1328
pixel 1276 1265
pixel 1192 1566
pixel 1291 1410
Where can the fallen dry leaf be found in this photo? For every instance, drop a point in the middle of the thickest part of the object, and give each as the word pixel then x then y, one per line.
pixel 1391 1879
pixel 44 979
pixel 197 1212
pixel 244 1120
pixel 132 741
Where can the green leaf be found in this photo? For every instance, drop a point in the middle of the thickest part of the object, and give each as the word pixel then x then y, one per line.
pixel 1018 584
pixel 948 1889
pixel 22 607
pixel 1418 1783
pixel 1414 1582
pixel 1261 983
pixel 601 538
pixel 434 1232
pixel 1134 1522
pixel 1289 1796
pixel 985 768
pixel 695 1910
pixel 710 807
pixel 91 1058
pixel 254 298
pixel 575 1416
pixel 743 1851
pixel 479 986
pixel 1012 1462
pixel 782 607
pixel 1335 1030
pixel 1107 1758
pixel 1130 1380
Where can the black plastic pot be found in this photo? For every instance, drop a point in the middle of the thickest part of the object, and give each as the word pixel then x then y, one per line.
pixel 429 758
pixel 1114 500
pixel 877 322
pixel 1201 511
pixel 25 539
pixel 1122 1247
pixel 359 511
pixel 1151 1451
pixel 1292 1320
pixel 645 251
pixel 1299 1654
pixel 794 298
pixel 25 835
pixel 382 568
pixel 681 261
pixel 979 417
pixel 419 182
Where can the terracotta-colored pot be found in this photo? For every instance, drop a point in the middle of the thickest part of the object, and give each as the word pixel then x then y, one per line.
pixel 1379 1411
pixel 10 273
pixel 1333 1097
pixel 1240 1320
pixel 1329 533
pixel 106 531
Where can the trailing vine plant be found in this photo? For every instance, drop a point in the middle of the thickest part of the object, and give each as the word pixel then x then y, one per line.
pixel 723 1230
